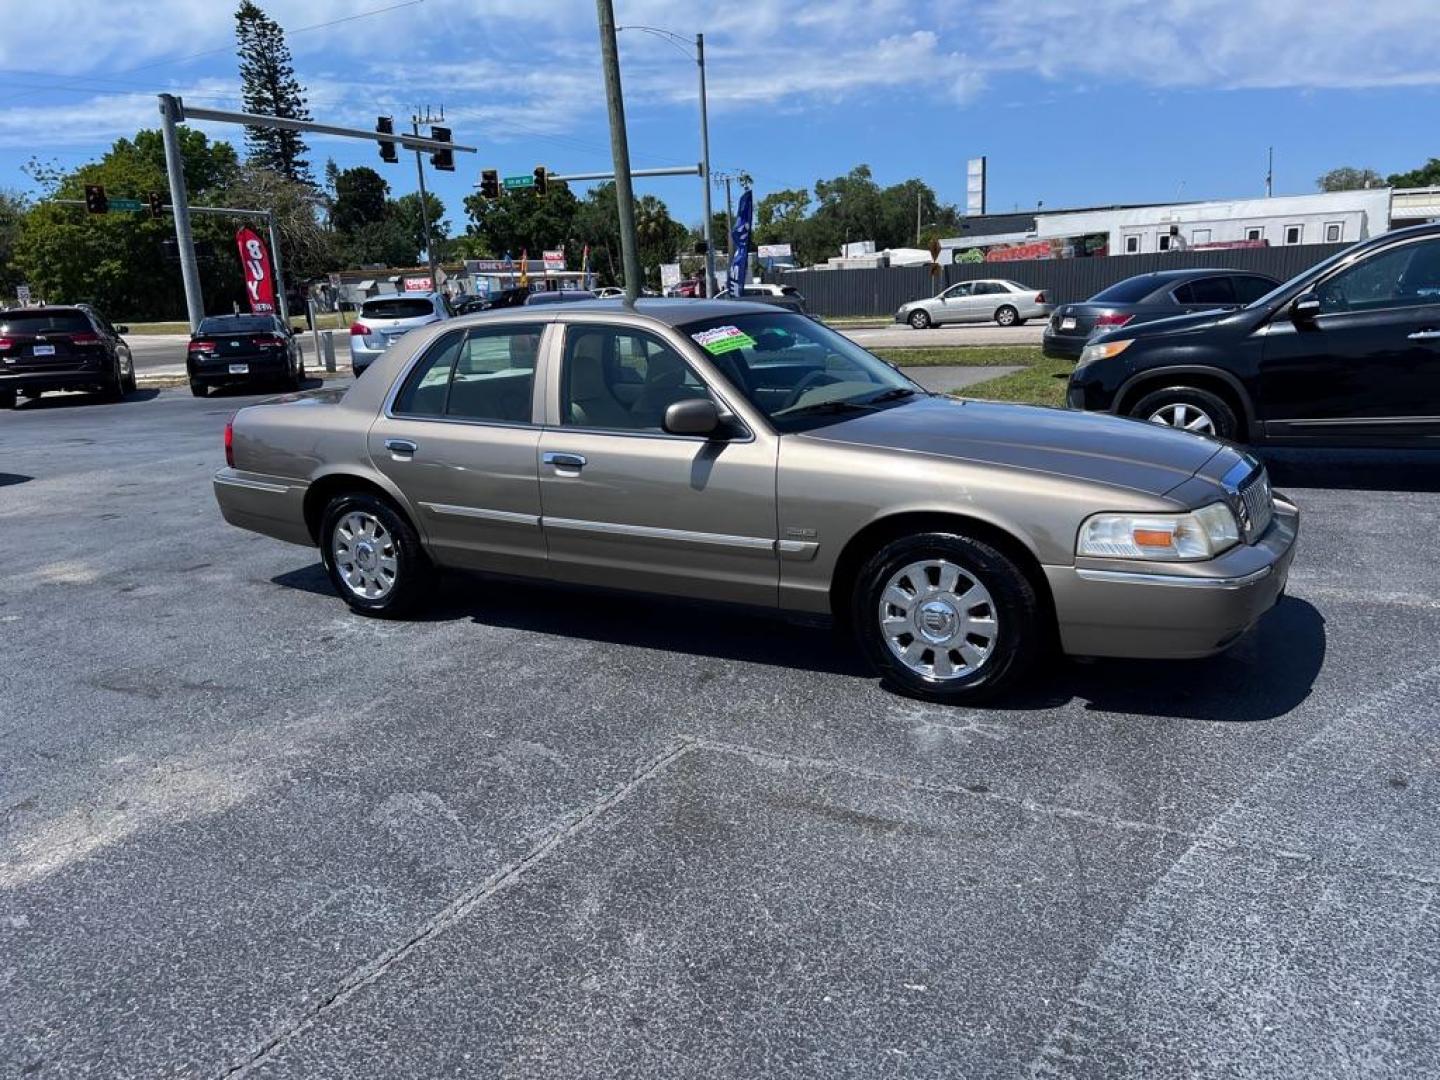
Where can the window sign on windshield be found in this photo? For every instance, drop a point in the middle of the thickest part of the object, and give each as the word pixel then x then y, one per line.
pixel 723 339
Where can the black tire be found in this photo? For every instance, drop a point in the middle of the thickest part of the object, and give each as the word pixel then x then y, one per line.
pixel 1181 402
pixel 7 399
pixel 129 383
pixel 1019 635
pixel 919 320
pixel 198 388
pixel 113 388
pixel 1005 315
pixel 412 574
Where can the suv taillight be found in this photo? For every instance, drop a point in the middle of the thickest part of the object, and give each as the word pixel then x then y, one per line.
pixel 84 339
pixel 6 343
pixel 230 441
pixel 359 329
pixel 1112 319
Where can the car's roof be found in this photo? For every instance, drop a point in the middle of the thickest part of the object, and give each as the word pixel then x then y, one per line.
pixel 672 311
pixel 48 309
pixel 1194 272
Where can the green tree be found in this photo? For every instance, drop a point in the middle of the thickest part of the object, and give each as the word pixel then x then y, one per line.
pixel 523 221
pixel 780 215
pixel 307 250
pixel 1428 175
pixel 12 213
pixel 117 261
pixel 268 86
pixel 1349 178
pixel 361 197
pixel 381 242
pixel 407 213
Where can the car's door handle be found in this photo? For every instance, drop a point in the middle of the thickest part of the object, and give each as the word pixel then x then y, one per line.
pixel 562 460
pixel 1424 335
pixel 401 446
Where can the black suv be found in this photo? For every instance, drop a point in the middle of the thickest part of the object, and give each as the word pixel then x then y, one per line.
pixel 62 348
pixel 1346 353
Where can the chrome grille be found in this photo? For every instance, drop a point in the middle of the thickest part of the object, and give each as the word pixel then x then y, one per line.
pixel 1257 505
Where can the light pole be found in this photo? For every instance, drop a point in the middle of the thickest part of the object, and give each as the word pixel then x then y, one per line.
pixel 699 56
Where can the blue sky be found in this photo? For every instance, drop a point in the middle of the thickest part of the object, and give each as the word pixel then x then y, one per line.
pixel 1074 102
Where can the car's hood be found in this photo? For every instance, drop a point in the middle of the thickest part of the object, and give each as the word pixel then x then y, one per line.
pixel 1085 446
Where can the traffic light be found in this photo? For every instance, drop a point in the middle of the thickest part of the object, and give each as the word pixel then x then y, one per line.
pixel 157 204
pixel 444 160
pixel 490 184
pixel 386 126
pixel 95 200
pixel 542 180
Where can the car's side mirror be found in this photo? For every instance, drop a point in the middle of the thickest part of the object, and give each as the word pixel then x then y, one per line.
pixel 695 416
pixel 1305 307
pixel 122 329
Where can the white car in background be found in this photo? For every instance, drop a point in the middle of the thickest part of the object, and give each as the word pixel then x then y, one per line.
pixel 384 320
pixel 998 300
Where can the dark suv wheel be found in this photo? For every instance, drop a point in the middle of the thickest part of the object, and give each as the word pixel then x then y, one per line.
pixel 947 617
pixel 1189 409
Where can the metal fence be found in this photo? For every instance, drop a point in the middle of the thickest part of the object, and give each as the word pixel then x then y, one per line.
pixel 880 292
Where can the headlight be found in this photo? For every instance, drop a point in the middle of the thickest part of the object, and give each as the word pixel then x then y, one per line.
pixel 1104 350
pixel 1200 534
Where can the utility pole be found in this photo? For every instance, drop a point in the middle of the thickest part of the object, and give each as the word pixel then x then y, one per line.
pixel 619 148
pixel 180 206
pixel 917 217
pixel 415 122
pixel 705 166
pixel 279 271
pixel 1270 174
pixel 729 219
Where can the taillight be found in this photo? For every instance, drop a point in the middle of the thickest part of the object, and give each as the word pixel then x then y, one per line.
pixel 84 339
pixel 230 441
pixel 202 346
pixel 1040 298
pixel 7 343
pixel 359 329
pixel 270 342
pixel 1112 319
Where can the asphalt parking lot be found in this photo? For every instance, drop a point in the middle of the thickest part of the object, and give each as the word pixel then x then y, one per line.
pixel 550 833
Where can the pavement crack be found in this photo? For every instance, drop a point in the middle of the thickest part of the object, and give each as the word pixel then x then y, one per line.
pixel 459 907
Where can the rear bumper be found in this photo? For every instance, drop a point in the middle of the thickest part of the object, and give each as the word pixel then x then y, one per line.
pixel 217 372
pixel 272 505
pixel 1062 346
pixel 71 379
pixel 1174 612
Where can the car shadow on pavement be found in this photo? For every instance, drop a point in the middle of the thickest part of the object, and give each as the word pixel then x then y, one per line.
pixel 74 400
pixel 9 479
pixel 1356 470
pixel 1266 674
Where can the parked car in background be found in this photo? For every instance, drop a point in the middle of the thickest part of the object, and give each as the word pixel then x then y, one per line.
pixel 608 292
pixel 1347 352
pixel 1146 297
pixel 1005 302
pixel 724 450
pixel 558 296
pixel 383 320
pixel 786 296
pixel 243 350
pixel 468 305
pixel 56 347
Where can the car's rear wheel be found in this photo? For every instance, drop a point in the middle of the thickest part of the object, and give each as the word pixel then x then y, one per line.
pixel 129 383
pixel 198 388
pixel 1188 408
pixel 7 399
pixel 373 556
pixel 1005 315
pixel 113 388
pixel 947 617
pixel 920 320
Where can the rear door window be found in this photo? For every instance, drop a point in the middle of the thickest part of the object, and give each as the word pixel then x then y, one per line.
pixel 485 374
pixel 1210 290
pixel 397 307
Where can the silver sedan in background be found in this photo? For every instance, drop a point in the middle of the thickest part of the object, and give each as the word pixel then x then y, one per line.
pixel 1005 302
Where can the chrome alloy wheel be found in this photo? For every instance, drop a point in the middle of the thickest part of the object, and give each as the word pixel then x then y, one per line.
pixel 365 554
pixel 938 619
pixel 1184 416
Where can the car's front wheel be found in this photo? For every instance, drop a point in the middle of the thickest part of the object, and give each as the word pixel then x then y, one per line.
pixel 1189 409
pixel 920 320
pixel 947 617
pixel 373 555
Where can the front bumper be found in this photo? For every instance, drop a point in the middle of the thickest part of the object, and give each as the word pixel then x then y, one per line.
pixel 1177 611
pixel 272 505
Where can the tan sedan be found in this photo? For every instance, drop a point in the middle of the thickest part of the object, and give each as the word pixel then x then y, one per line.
pixel 731 451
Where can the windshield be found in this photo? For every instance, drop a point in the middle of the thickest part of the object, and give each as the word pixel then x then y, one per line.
pixel 237 324
pixel 798 372
pixel 398 307
pixel 44 322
